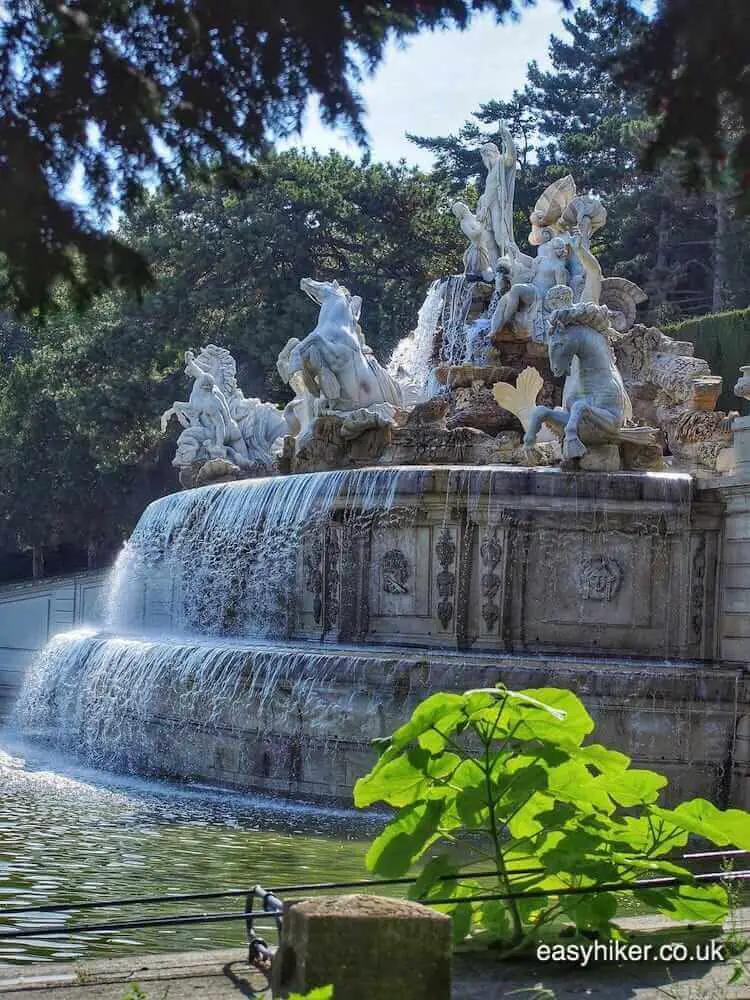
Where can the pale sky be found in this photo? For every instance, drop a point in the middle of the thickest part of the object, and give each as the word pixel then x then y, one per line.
pixel 432 85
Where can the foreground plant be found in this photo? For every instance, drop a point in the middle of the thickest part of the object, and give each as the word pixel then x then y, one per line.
pixel 503 779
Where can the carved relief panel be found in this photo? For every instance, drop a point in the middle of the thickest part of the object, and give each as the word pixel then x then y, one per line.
pixel 319 580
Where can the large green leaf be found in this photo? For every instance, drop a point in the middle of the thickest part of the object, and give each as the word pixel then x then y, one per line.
pixel 442 711
pixel 404 839
pixel 632 787
pixel 731 826
pixel 550 714
pixel 404 779
pixel 706 903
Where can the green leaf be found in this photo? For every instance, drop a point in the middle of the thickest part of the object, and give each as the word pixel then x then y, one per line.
pixel 604 760
pixel 403 779
pixel 548 714
pixel 590 911
pixel 432 875
pixel 705 903
pixel 442 711
pixel 494 917
pixel 404 839
pixel 731 826
pixel 633 787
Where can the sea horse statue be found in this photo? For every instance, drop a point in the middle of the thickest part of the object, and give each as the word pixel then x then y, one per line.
pixel 595 405
pixel 334 365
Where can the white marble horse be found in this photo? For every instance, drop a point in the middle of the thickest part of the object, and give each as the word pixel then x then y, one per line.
pixel 595 405
pixel 334 359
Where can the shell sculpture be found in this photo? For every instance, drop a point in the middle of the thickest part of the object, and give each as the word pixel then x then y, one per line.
pixel 622 298
pixel 519 399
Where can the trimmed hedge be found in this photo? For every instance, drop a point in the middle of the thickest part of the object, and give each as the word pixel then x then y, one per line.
pixel 723 339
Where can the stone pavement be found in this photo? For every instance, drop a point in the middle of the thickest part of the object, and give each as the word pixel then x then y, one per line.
pixel 225 975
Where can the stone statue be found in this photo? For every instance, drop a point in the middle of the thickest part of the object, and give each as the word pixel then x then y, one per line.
pixel 480 256
pixel 334 366
pixel 495 209
pixel 521 310
pixel 595 405
pixel 220 425
pixel 261 425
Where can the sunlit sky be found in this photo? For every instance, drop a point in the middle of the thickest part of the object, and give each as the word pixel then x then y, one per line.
pixel 433 83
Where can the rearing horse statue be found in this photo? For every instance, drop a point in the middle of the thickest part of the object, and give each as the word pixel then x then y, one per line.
pixel 334 359
pixel 595 405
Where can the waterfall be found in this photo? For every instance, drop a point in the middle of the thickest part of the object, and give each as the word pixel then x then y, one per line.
pixel 223 560
pixel 129 701
pixel 412 358
pixel 454 348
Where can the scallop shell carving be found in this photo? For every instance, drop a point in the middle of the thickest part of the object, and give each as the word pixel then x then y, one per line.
pixel 621 296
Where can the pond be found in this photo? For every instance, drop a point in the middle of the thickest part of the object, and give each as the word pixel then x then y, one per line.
pixel 70 833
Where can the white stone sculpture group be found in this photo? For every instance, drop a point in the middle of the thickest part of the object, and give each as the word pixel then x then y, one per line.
pixel 331 371
pixel 558 298
pixel 221 427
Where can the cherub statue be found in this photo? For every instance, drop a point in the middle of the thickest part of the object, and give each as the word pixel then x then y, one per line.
pixel 521 308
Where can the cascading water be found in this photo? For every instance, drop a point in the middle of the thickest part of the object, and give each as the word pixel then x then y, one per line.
pixel 455 348
pixel 120 700
pixel 224 558
pixel 413 356
pixel 443 318
pixel 221 561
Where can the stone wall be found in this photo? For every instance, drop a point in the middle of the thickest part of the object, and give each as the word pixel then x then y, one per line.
pixel 500 560
pixel 32 612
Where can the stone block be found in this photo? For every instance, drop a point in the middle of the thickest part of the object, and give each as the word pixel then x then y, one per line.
pixel 368 947
pixel 601 458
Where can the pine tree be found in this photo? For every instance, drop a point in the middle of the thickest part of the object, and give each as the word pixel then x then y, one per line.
pixel 577 118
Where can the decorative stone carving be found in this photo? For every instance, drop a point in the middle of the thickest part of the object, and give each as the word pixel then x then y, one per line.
pixel 698 588
pixel 595 404
pixel 446 577
pixel 332 578
pixel 599 578
pixel 491 552
pixel 224 433
pixel 313 572
pixel 394 572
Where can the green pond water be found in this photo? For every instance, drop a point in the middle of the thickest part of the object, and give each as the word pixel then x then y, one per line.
pixel 68 834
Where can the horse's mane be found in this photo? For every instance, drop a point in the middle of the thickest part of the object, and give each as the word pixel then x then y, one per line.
pixel 589 314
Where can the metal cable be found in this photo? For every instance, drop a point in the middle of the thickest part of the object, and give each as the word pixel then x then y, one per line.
pixel 62 907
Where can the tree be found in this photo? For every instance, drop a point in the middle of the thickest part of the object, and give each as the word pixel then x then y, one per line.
pixel 691 70
pixel 576 117
pixel 116 93
pixel 80 445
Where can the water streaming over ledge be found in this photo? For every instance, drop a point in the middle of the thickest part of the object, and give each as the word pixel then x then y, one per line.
pixel 226 557
pixel 222 561
pixel 262 633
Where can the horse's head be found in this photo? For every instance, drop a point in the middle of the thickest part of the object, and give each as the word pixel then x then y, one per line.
pixel 324 291
pixel 580 329
pixel 561 349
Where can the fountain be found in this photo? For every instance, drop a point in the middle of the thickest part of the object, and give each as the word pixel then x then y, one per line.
pixel 448 521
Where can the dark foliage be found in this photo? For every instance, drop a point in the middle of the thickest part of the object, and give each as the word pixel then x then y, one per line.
pixel 113 93
pixel 692 67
